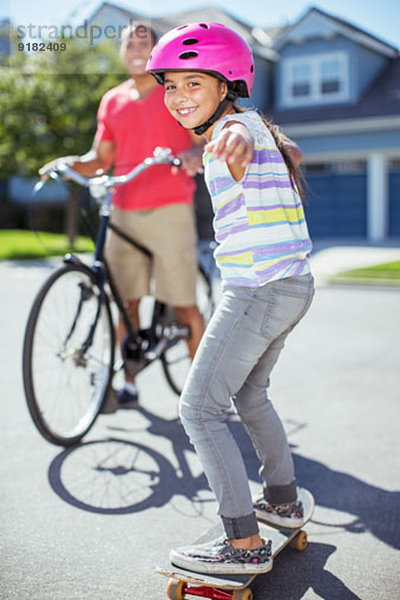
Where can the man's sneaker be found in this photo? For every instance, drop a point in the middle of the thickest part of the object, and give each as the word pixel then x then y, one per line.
pixel 128 398
pixel 121 399
pixel 220 557
pixel 287 516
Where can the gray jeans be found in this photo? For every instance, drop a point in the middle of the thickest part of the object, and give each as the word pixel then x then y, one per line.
pixel 233 362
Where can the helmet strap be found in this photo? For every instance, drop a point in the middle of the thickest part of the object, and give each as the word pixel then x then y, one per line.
pixel 230 97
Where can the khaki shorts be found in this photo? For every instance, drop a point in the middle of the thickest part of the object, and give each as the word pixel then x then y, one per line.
pixel 169 233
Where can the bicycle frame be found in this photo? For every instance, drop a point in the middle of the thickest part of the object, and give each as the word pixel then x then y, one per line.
pixel 79 296
pixel 100 189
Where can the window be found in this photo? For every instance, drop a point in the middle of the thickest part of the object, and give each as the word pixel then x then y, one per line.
pixel 330 76
pixel 317 79
pixel 301 82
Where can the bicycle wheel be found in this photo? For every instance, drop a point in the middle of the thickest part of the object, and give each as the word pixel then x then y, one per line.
pixel 176 360
pixel 68 355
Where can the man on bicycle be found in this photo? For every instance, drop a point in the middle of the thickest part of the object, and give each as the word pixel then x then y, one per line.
pixel 155 209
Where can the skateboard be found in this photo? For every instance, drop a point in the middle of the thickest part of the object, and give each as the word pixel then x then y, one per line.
pixel 183 583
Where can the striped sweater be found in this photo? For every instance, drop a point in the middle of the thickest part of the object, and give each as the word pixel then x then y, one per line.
pixel 259 221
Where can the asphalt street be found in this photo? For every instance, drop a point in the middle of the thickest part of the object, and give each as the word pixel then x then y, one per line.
pixel 92 522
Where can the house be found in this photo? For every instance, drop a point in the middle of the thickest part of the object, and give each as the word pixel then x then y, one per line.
pixel 337 93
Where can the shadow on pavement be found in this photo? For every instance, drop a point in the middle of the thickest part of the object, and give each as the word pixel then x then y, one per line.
pixel 294 574
pixel 119 476
pixel 375 510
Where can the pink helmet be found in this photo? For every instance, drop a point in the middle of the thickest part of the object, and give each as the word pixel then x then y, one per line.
pixel 210 47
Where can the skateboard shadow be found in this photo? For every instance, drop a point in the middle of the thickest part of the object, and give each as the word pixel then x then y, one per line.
pixel 295 574
pixel 81 475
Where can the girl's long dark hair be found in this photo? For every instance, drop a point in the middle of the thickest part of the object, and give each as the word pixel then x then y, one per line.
pixel 295 173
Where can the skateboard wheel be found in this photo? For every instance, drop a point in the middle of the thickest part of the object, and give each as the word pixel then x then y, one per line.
pixel 242 595
pixel 300 541
pixel 175 589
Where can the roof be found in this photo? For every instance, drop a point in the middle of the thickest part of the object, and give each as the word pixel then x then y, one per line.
pixel 353 27
pixel 129 15
pixel 261 44
pixel 209 14
pixel 276 32
pixel 257 38
pixel 336 25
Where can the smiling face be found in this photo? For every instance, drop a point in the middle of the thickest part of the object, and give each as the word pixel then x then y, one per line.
pixel 135 50
pixel 192 97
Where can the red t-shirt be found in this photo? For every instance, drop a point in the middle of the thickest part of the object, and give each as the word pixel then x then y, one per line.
pixel 137 127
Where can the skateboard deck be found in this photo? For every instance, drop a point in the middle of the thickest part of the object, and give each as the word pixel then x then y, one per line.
pixel 223 586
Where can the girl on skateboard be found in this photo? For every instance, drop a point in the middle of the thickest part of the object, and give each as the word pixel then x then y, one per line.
pixel 262 253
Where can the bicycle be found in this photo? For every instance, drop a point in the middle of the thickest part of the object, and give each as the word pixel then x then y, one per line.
pixel 69 343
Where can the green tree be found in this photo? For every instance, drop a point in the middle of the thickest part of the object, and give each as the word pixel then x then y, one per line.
pixel 48 103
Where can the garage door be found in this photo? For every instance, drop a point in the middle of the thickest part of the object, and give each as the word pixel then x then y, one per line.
pixel 394 202
pixel 336 203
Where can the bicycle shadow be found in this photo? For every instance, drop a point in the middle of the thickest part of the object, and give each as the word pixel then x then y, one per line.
pixel 112 476
pixel 81 474
pixel 119 476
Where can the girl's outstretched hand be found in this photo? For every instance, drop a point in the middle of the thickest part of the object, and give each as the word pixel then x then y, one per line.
pixel 234 145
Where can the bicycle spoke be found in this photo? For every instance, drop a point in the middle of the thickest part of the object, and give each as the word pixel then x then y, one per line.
pixel 65 385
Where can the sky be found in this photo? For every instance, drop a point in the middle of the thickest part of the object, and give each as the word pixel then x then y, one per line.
pixel 382 18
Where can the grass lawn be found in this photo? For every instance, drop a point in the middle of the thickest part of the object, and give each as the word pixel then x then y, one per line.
pixel 22 244
pixel 388 272
pixel 19 244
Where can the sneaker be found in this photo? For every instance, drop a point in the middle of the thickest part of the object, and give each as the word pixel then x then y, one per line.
pixel 128 398
pixel 287 516
pixel 121 399
pixel 221 557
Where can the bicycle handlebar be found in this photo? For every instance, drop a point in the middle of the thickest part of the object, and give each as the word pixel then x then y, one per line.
pixel 99 184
